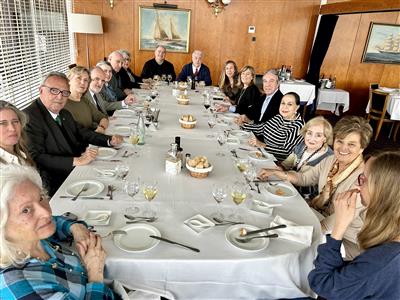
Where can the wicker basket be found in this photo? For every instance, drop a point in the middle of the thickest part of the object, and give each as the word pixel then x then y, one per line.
pixel 183 101
pixel 199 173
pixel 187 124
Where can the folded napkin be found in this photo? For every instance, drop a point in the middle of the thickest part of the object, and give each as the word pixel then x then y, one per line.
pixel 293 232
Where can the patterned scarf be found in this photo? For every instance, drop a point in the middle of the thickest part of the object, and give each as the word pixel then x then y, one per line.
pixel 322 201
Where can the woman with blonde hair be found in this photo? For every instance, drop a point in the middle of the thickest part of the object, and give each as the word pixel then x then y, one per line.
pixel 374 274
pixel 12 136
pixel 335 174
pixel 229 81
pixel 83 111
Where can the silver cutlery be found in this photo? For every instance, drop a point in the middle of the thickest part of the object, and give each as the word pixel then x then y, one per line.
pixel 174 243
pixel 225 222
pixel 133 218
pixel 67 197
pixel 84 189
pixel 111 189
pixel 257 184
pixel 233 151
pixel 244 149
pixel 114 232
pixel 244 232
pixel 125 153
pixel 248 239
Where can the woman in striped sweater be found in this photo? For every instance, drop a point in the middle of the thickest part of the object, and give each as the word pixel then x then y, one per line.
pixel 280 134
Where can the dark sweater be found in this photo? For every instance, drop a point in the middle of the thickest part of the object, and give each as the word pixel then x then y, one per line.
pixel 374 274
pixel 151 68
pixel 247 102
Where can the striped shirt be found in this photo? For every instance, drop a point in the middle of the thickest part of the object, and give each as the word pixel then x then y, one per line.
pixel 280 135
pixel 61 277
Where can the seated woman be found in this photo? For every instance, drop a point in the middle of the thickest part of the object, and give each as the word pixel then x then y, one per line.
pixel 32 265
pixel 281 133
pixel 83 111
pixel 229 81
pixel 374 274
pixel 317 134
pixel 130 79
pixel 335 174
pixel 12 136
pixel 248 96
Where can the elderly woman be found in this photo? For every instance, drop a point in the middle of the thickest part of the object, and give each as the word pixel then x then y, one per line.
pixel 247 98
pixel 83 111
pixel 32 265
pixel 127 76
pixel 317 134
pixel 229 81
pixel 281 133
pixel 336 174
pixel 374 274
pixel 12 137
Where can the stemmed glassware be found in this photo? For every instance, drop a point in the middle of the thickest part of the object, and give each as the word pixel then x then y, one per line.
pixel 242 164
pixel 250 173
pixel 132 187
pixel 212 121
pixel 207 104
pixel 169 78
pixel 221 139
pixel 189 81
pixel 148 119
pixel 122 171
pixel 153 94
pixel 134 139
pixel 219 193
pixel 164 77
pixel 238 193
pixel 150 190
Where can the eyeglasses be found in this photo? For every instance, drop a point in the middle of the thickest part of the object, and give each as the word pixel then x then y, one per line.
pixel 362 179
pixel 55 91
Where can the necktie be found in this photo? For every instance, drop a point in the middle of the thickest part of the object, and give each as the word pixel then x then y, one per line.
pixel 196 72
pixel 58 120
pixel 97 102
pixel 264 106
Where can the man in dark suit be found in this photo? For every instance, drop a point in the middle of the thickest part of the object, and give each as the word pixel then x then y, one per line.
pixel 116 60
pixel 268 106
pixel 196 70
pixel 56 142
pixel 97 80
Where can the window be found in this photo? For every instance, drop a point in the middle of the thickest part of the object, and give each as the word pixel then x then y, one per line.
pixel 34 40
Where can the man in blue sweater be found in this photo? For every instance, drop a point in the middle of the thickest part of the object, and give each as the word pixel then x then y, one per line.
pixel 196 70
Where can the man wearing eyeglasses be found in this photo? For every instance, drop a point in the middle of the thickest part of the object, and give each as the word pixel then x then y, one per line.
pixel 56 142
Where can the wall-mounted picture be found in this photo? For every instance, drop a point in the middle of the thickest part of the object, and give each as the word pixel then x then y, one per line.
pixel 167 27
pixel 383 44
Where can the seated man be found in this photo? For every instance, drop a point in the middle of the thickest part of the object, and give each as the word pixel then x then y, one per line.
pixel 196 69
pixel 56 142
pixel 158 65
pixel 118 84
pixel 97 80
pixel 268 106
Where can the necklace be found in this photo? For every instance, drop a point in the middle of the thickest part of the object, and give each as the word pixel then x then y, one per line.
pixel 298 165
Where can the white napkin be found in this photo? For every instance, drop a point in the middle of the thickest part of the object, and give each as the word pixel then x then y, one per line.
pixel 293 232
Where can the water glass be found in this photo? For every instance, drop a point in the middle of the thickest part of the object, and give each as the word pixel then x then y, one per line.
pixel 219 193
pixel 221 139
pixel 122 171
pixel 132 187
pixel 212 121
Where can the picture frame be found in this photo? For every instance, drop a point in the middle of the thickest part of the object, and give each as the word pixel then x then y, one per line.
pixel 383 44
pixel 164 26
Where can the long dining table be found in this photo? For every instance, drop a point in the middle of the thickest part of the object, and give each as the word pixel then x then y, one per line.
pixel 220 270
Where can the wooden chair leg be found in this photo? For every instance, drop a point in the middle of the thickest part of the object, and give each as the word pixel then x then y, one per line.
pixel 396 130
pixel 378 128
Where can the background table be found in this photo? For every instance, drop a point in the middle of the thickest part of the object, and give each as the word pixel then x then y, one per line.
pixel 305 90
pixel 220 270
pixel 331 99
pixel 393 107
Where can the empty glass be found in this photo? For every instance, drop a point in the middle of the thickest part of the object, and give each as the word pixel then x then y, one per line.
pixel 221 139
pixel 132 187
pixel 212 121
pixel 219 193
pixel 122 171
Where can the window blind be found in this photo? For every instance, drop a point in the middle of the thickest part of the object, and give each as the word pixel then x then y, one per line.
pixel 34 40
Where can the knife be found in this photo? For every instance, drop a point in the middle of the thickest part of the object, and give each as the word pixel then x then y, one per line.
pixel 265 229
pixel 172 242
pixel 67 197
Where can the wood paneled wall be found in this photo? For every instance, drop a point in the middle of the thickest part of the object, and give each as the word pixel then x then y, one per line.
pixel 284 33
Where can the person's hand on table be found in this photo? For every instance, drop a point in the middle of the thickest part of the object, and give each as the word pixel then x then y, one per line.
pixel 221 108
pixel 242 119
pixel 81 235
pixel 93 257
pixel 130 99
pixel 345 211
pixel 116 140
pixel 253 141
pixel 86 157
pixel 100 129
pixel 265 173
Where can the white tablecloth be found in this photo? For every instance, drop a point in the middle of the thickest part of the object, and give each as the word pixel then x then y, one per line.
pixel 220 270
pixel 393 107
pixel 331 99
pixel 305 90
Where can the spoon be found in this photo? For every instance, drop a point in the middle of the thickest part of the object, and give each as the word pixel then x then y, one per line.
pixel 134 218
pixel 257 184
pixel 248 239
pixel 114 232
pixel 84 189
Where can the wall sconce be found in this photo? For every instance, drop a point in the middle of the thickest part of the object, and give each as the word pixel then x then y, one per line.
pixel 218 6
pixel 111 3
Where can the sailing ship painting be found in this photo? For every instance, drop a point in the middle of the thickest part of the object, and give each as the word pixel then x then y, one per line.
pixel 167 27
pixel 383 44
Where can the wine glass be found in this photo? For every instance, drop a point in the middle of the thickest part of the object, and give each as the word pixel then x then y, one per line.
pixel 250 173
pixel 169 78
pixel 164 77
pixel 148 119
pixel 134 139
pixel 238 193
pixel 221 139
pixel 219 193
pixel 212 121
pixel 153 94
pixel 132 187
pixel 242 164
pixel 189 81
pixel 122 171
pixel 150 190
pixel 207 104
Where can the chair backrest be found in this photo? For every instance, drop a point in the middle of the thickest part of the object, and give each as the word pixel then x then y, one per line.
pixel 379 101
pixel 258 81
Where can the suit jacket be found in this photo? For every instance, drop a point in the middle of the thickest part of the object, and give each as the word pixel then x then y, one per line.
pixel 247 102
pixel 116 85
pixel 104 105
pixel 52 147
pixel 204 73
pixel 272 108
pixel 126 82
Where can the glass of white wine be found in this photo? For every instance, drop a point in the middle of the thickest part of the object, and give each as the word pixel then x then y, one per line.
pixel 134 140
pixel 150 190
pixel 132 187
pixel 219 193
pixel 238 193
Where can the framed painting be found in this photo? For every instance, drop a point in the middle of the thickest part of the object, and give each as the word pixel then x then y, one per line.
pixel 383 44
pixel 162 26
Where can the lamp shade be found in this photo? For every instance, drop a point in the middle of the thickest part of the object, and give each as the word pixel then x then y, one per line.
pixel 82 23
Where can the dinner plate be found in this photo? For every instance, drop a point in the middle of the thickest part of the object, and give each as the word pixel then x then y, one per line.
pixel 280 189
pixel 122 130
pixel 137 238
pixel 106 153
pixel 259 156
pixel 94 188
pixel 98 217
pixel 253 245
pixel 125 113
pixel 240 134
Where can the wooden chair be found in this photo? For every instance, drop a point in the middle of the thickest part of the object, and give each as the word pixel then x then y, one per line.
pixel 378 102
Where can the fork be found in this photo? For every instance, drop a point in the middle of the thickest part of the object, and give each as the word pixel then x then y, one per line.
pixel 257 184
pixel 84 189
pixel 248 239
pixel 111 189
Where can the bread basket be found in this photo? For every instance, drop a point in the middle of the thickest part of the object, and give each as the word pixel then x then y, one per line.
pixel 187 124
pixel 199 173
pixel 182 101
